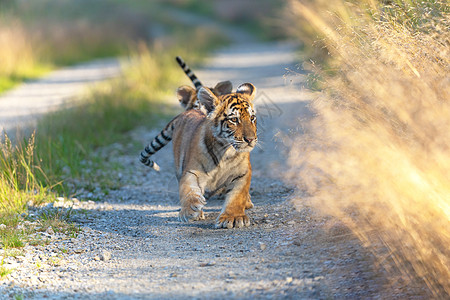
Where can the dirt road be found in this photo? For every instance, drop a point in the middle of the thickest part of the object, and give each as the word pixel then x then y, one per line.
pixel 132 245
pixel 22 106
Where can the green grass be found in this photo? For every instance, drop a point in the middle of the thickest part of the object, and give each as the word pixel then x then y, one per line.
pixel 4 271
pixel 14 252
pixel 64 148
pixel 68 139
pixel 69 151
pixel 9 81
pixel 265 19
pixel 41 35
pixel 64 155
pixel 12 239
pixel 18 177
pixel 19 297
pixel 58 220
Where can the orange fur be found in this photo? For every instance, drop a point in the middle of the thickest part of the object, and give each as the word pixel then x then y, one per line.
pixel 188 95
pixel 211 149
pixel 207 161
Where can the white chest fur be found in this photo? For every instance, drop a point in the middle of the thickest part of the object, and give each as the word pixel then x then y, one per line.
pixel 231 165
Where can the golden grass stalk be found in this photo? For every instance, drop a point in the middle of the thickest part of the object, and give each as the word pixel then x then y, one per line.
pixel 18 182
pixel 377 154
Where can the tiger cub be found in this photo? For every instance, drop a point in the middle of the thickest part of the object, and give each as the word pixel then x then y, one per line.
pixel 212 153
pixel 188 98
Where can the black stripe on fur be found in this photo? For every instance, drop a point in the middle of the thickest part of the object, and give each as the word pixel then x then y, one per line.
pixel 167 138
pixel 149 151
pixel 210 150
pixel 189 73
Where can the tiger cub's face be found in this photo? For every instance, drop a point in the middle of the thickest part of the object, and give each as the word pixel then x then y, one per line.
pixel 232 116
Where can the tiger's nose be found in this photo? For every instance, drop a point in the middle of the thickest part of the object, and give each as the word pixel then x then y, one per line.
pixel 248 140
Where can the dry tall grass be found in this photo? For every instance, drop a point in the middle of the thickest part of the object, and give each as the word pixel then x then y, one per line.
pixel 377 153
pixel 17 51
pixel 18 55
pixel 18 178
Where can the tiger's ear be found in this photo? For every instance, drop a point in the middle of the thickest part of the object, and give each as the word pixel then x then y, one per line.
pixel 185 94
pixel 207 99
pixel 223 88
pixel 247 89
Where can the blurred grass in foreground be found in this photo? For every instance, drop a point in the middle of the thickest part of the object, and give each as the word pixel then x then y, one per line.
pixel 377 153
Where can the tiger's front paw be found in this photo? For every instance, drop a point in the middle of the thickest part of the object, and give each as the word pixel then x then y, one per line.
pixel 192 210
pixel 229 221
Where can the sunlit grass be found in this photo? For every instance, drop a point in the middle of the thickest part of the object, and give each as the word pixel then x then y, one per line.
pixel 376 155
pixel 4 271
pixel 18 176
pixel 68 139
pixel 32 172
pixel 58 220
pixel 64 148
pixel 264 20
pixel 19 187
pixel 19 59
pixel 67 153
pixel 67 142
pixel 38 36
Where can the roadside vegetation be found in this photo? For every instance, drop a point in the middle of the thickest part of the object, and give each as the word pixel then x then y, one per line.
pixel 264 18
pixel 376 154
pixel 66 155
pixel 38 36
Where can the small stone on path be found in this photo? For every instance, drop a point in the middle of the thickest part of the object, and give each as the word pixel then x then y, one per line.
pixel 105 255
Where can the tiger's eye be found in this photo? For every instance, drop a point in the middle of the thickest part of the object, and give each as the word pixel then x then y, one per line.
pixel 234 120
pixel 252 118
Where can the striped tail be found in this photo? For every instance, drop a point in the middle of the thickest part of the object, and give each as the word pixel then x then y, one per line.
pixel 189 73
pixel 162 139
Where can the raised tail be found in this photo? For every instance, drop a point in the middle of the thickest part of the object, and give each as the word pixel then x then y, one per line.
pixel 189 73
pixel 162 139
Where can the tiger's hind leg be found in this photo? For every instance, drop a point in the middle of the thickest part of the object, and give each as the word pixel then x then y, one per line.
pixel 191 199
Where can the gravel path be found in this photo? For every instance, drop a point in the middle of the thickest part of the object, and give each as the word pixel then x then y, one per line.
pixel 132 245
pixel 21 107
